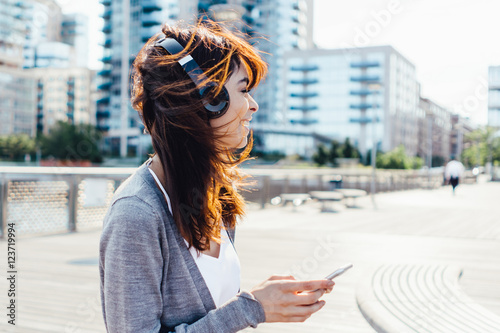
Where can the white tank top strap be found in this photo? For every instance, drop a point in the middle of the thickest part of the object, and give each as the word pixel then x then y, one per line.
pixel 161 186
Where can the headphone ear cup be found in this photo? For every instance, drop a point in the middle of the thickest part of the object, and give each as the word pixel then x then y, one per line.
pixel 215 106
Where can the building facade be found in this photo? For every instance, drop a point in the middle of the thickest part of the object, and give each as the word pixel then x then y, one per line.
pixel 17 102
pixel 494 96
pixel 435 132
pixel 63 94
pixel 74 32
pixel 369 95
pixel 17 98
pixel 43 19
pixel 277 27
pixel 127 26
pixel 460 127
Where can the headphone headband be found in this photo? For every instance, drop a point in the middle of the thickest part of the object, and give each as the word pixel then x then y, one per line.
pixel 217 106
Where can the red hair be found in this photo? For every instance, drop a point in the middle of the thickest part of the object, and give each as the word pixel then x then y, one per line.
pixel 202 178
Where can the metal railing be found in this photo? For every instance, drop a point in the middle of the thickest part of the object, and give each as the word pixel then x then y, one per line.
pixel 43 200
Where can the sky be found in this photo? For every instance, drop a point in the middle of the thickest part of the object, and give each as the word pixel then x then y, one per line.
pixel 450 42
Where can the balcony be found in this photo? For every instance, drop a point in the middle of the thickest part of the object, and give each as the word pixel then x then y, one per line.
pixel 106 59
pixel 363 106
pixel 104 100
pixel 102 114
pixel 304 107
pixel 107 14
pixel 104 72
pixel 105 2
pixel 365 120
pixel 105 86
pixel 151 19
pixel 107 43
pixel 149 6
pixel 107 28
pixel 70 115
pixel 39 127
pixel 366 78
pixel 304 121
pixel 362 92
pixel 304 68
pixel 39 105
pixel 39 115
pixel 248 19
pixel 365 64
pixel 304 81
pixel 71 104
pixel 102 127
pixel 304 94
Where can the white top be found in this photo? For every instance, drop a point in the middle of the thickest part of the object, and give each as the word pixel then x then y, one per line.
pixel 222 274
pixel 454 169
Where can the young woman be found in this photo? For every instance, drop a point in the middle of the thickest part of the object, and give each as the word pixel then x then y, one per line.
pixel 167 261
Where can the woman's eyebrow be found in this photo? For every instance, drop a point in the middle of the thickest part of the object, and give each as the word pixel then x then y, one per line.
pixel 245 79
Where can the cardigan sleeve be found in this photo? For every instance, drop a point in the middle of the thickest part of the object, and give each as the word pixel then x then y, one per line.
pixel 132 269
pixel 240 312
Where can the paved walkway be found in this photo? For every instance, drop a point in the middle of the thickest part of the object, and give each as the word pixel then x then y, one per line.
pixel 58 276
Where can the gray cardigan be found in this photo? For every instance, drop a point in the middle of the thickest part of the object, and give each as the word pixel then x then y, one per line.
pixel 149 279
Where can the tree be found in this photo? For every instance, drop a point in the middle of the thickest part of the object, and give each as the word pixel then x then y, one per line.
pixel 481 146
pixel 397 159
pixel 321 155
pixel 348 150
pixel 334 152
pixel 72 142
pixel 15 147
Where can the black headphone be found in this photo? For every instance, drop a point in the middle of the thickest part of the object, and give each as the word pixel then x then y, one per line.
pixel 215 106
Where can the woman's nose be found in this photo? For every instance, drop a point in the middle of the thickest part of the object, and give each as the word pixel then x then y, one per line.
pixel 254 107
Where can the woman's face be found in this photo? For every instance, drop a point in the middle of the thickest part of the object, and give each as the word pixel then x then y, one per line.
pixel 233 126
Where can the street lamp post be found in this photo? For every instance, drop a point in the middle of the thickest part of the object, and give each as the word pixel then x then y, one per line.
pixel 375 89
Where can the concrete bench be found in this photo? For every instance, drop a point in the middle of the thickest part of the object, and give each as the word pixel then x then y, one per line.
pixel 421 298
pixel 326 197
pixel 296 199
pixel 351 195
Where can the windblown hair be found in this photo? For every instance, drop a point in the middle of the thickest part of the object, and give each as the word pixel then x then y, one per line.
pixel 201 177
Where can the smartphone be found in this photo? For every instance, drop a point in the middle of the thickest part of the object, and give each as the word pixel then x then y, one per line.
pixel 338 272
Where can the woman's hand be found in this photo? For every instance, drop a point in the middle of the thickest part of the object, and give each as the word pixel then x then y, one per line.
pixel 286 300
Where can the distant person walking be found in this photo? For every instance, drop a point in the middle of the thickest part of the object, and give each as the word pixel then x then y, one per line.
pixel 453 172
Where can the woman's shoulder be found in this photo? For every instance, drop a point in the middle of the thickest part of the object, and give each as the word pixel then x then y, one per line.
pixel 138 187
pixel 135 199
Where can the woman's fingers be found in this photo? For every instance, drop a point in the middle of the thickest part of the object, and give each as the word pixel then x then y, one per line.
pixel 300 286
pixel 309 297
pixel 281 277
pixel 304 310
pixel 282 299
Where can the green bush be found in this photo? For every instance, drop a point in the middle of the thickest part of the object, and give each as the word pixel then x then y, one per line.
pixel 15 147
pixel 72 142
pixel 397 159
